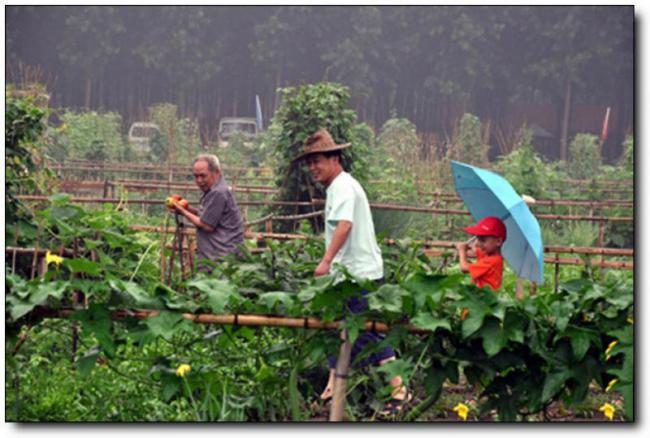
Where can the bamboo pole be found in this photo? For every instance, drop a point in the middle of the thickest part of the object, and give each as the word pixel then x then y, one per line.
pixel 381 206
pixel 558 260
pixel 249 320
pixel 341 379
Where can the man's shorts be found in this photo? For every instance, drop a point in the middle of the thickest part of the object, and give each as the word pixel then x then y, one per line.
pixel 358 305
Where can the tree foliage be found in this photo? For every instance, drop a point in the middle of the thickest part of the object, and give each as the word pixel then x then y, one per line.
pixel 421 60
pixel 303 111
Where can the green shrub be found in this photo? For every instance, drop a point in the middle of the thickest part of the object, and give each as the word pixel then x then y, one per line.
pixel 87 136
pixel 468 146
pixel 303 111
pixel 627 159
pixel 584 157
pixel 525 170
pixel 179 137
pixel 398 138
pixel 25 122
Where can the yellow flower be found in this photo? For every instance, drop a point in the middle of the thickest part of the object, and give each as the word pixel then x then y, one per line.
pixel 611 384
pixel 51 258
pixel 462 410
pixel 610 347
pixel 608 410
pixel 183 369
pixel 630 320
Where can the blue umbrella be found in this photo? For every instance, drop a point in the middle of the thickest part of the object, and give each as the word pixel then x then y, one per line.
pixel 487 194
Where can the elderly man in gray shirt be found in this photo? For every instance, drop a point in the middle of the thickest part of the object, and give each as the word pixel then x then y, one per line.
pixel 219 226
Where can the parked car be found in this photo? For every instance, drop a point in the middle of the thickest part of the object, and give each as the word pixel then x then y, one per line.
pixel 141 134
pixel 244 126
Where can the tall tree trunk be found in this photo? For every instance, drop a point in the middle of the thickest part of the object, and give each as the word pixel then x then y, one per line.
pixel 278 82
pixel 566 115
pixel 88 92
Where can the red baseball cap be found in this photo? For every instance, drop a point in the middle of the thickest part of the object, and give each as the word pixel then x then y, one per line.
pixel 488 226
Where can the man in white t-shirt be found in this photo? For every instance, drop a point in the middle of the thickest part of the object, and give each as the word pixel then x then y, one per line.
pixel 350 241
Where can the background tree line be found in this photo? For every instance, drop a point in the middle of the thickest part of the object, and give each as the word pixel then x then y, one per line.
pixel 429 64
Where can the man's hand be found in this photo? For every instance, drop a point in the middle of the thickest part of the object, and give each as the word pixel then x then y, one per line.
pixel 462 246
pixel 323 268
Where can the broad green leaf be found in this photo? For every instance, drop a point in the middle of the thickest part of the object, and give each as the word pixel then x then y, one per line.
pixel 554 383
pixel 59 198
pixel 86 363
pixel 398 367
pixel 82 266
pixel 294 395
pixel 97 320
pixel 271 299
pixel 219 292
pixel 473 322
pixel 494 337
pixel 353 324
pixel 170 386
pixel 562 312
pixel 65 212
pixel 19 308
pixel 166 324
pixel 139 296
pixel 388 298
pixel 429 322
pixel 580 341
pixel 44 290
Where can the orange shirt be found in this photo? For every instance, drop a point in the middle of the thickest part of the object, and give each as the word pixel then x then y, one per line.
pixel 487 270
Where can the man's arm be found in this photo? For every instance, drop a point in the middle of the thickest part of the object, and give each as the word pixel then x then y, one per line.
pixel 341 233
pixel 194 218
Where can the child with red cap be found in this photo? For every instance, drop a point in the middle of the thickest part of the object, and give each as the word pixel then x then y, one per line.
pixel 490 234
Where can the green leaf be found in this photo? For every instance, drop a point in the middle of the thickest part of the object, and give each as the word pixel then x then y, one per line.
pixel 166 324
pixel 60 198
pixel 580 341
pixel 65 212
pixel 554 383
pixel 97 320
pixel 317 286
pixel 353 324
pixel 45 290
pixel 271 299
pixel 220 293
pixel 82 266
pixel 473 322
pixel 137 294
pixel 86 363
pixel 399 367
pixel 19 308
pixel 170 386
pixel 294 395
pixel 562 311
pixel 388 298
pixel 429 322
pixel 494 337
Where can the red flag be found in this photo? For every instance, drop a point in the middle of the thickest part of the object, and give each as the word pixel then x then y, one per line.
pixel 605 130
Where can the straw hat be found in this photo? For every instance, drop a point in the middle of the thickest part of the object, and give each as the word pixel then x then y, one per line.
pixel 319 142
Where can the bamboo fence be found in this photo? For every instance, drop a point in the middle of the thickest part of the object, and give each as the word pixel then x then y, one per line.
pixel 379 206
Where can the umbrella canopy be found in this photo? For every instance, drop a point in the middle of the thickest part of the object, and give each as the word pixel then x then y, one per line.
pixel 487 194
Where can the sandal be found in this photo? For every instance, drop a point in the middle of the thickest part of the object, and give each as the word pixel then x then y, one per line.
pixel 394 406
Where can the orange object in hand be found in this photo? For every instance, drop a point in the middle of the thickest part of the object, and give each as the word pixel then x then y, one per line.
pixel 183 203
pixel 464 314
pixel 171 200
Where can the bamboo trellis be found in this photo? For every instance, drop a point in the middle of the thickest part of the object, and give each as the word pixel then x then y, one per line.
pixel 379 206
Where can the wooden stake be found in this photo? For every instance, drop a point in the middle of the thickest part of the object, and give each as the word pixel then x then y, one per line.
pixel 341 379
